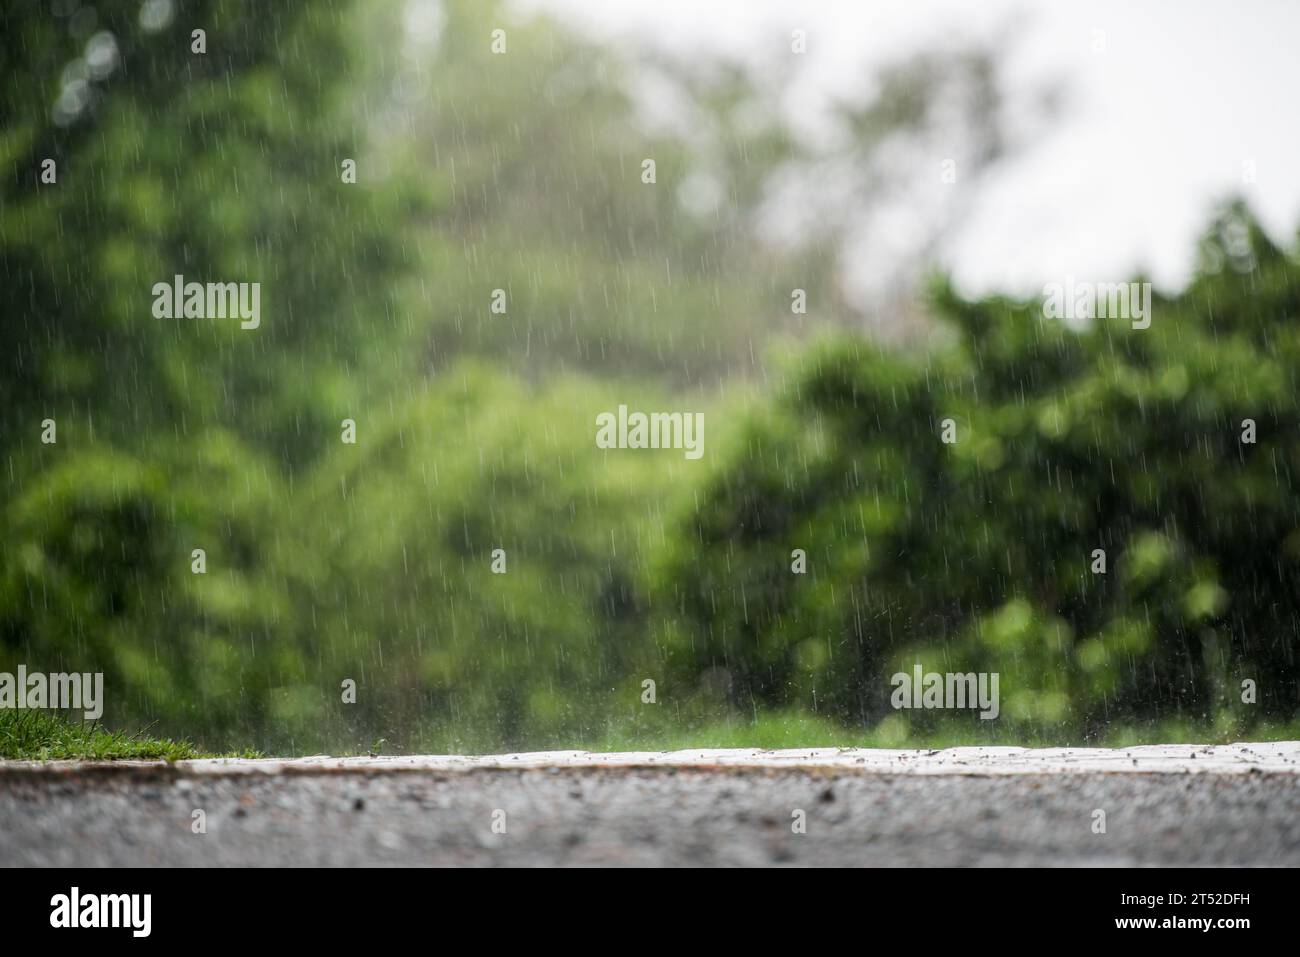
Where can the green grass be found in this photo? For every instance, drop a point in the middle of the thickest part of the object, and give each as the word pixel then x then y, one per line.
pixel 40 736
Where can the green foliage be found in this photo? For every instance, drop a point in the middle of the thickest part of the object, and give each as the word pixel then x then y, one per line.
pixel 535 159
pixel 372 562
pixel 392 547
pixel 977 556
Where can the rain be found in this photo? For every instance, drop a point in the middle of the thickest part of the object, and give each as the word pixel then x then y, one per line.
pixel 449 378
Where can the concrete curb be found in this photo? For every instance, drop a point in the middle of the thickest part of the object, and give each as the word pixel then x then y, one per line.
pixel 1273 757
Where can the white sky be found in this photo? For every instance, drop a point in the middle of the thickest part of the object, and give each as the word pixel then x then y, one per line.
pixel 1154 129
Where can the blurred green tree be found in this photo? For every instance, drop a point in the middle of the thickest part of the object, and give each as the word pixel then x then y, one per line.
pixel 979 555
pixel 174 434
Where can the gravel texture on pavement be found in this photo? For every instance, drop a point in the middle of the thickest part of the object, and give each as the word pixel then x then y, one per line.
pixel 1172 805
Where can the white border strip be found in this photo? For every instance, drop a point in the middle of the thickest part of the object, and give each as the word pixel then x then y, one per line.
pixel 1272 757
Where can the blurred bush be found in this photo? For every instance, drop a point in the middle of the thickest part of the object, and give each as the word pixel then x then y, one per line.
pixel 978 556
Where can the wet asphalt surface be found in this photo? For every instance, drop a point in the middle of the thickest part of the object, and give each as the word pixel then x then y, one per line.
pixel 645 817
